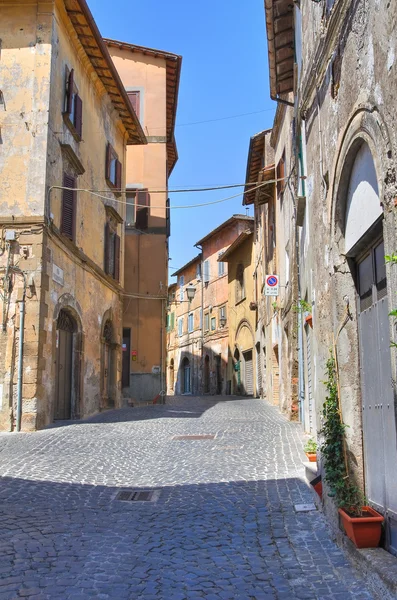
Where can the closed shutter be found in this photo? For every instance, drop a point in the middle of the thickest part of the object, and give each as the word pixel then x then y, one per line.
pixel 142 209
pixel 118 175
pixel 206 271
pixel 309 379
pixel 107 161
pixel 134 98
pixel 172 321
pixel 248 373
pixel 68 207
pixel 117 257
pixel 78 115
pixel 107 248
pixel 167 218
pixel 69 92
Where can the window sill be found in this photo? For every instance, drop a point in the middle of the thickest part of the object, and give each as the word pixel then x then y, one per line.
pixel 113 187
pixel 71 127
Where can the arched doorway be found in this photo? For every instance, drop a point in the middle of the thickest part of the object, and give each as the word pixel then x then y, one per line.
pixel 366 343
pixel 207 375
pixel 107 364
pixel 186 376
pixel 65 331
pixel 172 374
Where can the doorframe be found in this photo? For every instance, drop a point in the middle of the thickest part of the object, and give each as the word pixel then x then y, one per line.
pixel 110 400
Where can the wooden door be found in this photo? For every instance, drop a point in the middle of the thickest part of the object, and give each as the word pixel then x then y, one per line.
pixel 63 400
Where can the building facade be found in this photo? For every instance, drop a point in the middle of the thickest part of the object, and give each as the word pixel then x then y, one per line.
pixel 151 80
pixel 335 86
pixel 201 340
pixel 242 369
pixel 65 122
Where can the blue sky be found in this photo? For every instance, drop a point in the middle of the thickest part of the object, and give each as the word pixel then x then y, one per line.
pixel 224 72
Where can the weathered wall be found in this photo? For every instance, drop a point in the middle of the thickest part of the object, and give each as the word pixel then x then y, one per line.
pixel 349 77
pixel 39 151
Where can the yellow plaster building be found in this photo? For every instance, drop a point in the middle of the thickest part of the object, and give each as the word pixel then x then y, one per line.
pixel 241 368
pixel 65 122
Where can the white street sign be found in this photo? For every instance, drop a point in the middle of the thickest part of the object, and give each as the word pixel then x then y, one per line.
pixel 272 285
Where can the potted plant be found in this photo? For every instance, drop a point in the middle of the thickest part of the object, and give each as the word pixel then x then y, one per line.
pixel 362 524
pixel 310 449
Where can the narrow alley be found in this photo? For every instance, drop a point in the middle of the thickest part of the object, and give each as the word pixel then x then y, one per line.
pixel 221 523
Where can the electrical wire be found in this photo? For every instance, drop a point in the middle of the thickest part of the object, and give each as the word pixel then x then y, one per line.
pixel 180 206
pixel 256 112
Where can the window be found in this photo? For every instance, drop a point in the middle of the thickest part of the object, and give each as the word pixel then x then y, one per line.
pixel 206 321
pixel 181 290
pixel 213 323
pixel 130 209
pixel 280 174
pixel 206 271
pixel 172 323
pixel 222 316
pixel 135 99
pixel 221 266
pixel 198 271
pixel 68 211
pixel 190 322
pixel 180 326
pixel 112 168
pixel 142 209
pixel 240 288
pixel 73 107
pixel 112 250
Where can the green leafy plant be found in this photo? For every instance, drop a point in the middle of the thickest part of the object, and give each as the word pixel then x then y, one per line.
pixel 310 446
pixel 347 495
pixel 392 259
pixel 302 307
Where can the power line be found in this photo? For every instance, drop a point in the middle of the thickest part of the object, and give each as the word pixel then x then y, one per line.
pixel 181 206
pixel 256 112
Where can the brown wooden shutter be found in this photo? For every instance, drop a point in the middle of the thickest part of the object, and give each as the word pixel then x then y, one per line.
pixel 134 98
pixel 78 115
pixel 69 94
pixel 142 209
pixel 68 213
pixel 167 218
pixel 280 173
pixel 118 174
pixel 107 161
pixel 117 257
pixel 107 248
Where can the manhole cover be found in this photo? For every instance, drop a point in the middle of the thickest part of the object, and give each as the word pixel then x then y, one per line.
pixel 205 436
pixel 138 495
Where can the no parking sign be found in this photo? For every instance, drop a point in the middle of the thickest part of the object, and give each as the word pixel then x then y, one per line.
pixel 272 285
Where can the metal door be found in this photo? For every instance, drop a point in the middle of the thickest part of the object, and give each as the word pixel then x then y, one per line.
pixel 379 424
pixel 259 369
pixel 248 373
pixel 309 425
pixel 63 398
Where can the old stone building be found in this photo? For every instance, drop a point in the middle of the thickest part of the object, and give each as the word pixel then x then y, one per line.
pixel 199 355
pixel 333 72
pixel 151 79
pixel 65 121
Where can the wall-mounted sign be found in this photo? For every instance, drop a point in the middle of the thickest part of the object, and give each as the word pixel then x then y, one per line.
pixel 57 274
pixel 272 285
pixel 156 369
pixel 134 354
pixel 124 347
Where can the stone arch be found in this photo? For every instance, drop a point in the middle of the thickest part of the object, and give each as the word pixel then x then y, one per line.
pixel 245 344
pixel 68 307
pixel 108 373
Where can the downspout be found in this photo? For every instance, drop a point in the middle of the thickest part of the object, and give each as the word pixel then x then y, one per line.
pixel 301 371
pixel 20 356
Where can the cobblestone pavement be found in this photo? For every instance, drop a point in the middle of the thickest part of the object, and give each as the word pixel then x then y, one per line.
pixel 223 526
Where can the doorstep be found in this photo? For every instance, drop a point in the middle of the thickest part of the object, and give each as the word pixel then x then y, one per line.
pixel 377 566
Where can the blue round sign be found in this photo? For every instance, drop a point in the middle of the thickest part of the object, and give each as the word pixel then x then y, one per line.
pixel 272 281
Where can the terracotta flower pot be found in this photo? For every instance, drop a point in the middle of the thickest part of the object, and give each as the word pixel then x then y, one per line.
pixel 363 531
pixel 312 456
pixel 309 320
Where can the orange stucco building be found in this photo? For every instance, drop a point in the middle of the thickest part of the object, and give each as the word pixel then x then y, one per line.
pixel 151 80
pixel 198 333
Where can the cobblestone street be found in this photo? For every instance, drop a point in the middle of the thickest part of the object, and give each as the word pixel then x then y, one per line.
pixel 222 527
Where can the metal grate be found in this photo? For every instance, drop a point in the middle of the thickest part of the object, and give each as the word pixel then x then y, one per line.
pixel 208 436
pixel 138 495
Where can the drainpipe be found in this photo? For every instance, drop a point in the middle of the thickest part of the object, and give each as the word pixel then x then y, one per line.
pixel 301 371
pixel 20 356
pixel 202 315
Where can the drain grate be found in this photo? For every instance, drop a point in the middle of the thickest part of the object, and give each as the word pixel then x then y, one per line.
pixel 138 495
pixel 206 436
